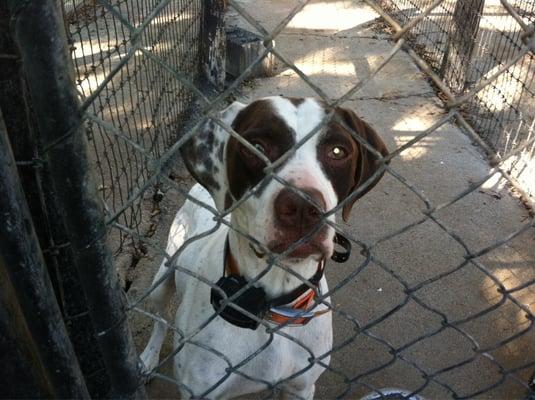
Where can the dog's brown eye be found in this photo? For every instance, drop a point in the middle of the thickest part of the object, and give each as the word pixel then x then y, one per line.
pixel 337 153
pixel 252 158
pixel 252 154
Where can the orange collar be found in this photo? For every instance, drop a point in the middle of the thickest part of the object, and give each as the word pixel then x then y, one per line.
pixel 298 312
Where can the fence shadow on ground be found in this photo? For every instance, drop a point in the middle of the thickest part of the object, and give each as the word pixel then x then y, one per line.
pixel 422 269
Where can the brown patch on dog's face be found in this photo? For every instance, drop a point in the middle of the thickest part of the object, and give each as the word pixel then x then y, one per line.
pixel 338 153
pixel 333 160
pixel 348 163
pixel 260 125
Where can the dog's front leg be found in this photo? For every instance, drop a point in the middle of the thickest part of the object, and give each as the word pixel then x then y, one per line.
pixel 159 298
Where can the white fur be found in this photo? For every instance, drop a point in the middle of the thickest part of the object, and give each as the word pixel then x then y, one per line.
pixel 303 171
pixel 199 369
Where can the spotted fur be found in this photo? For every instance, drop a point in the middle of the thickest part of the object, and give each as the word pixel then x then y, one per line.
pixel 327 168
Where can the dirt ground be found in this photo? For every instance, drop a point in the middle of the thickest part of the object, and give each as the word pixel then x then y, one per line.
pixel 337 43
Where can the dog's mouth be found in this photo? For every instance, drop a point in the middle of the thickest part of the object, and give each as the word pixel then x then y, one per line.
pixel 312 248
pixel 258 252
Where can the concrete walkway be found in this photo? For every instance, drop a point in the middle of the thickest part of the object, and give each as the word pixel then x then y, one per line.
pixel 336 43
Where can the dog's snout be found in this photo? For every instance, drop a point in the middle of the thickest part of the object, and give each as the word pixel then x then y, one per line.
pixel 294 211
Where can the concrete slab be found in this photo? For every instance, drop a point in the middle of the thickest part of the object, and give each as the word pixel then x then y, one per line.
pixel 409 306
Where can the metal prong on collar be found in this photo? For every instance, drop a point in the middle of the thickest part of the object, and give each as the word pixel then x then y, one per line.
pixel 342 241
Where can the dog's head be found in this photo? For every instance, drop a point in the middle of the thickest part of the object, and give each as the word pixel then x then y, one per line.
pixel 316 173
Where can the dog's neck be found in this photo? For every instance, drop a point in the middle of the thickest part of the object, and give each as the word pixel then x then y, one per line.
pixel 277 281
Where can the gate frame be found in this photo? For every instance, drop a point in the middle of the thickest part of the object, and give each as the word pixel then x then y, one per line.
pixel 38 30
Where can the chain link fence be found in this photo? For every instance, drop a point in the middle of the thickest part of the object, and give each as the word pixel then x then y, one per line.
pixel 138 97
pixel 464 42
pixel 437 334
pixel 342 379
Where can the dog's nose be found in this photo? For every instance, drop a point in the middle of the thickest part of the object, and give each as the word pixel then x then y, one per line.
pixel 293 211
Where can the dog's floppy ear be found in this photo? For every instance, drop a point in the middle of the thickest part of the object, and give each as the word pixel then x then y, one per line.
pixel 367 163
pixel 204 154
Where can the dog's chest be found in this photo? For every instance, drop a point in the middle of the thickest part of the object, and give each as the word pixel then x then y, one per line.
pixel 259 357
pixel 214 348
pixel 218 346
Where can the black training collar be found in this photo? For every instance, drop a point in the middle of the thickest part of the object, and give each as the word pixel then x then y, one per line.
pixel 254 299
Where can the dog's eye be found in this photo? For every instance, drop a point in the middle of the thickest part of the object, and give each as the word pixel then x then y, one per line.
pixel 259 147
pixel 253 157
pixel 337 153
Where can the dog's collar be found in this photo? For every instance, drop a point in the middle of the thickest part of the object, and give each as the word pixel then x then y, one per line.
pixel 293 308
pixel 299 312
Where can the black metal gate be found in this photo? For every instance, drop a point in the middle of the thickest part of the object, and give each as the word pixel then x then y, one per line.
pixel 62 319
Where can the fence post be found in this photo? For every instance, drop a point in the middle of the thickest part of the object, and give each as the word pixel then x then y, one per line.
pixel 461 40
pixel 40 35
pixel 213 43
pixel 23 272
pixel 46 215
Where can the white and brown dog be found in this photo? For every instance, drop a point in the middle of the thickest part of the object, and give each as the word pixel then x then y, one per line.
pixel 288 344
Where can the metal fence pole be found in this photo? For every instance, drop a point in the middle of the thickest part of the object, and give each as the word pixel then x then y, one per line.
pixel 46 215
pixel 40 35
pixel 461 42
pixel 21 260
pixel 213 45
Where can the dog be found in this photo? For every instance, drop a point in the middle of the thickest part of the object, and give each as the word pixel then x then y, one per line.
pixel 277 334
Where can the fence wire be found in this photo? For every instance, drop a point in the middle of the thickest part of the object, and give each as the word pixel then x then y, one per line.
pixel 463 42
pixel 138 97
pixel 135 66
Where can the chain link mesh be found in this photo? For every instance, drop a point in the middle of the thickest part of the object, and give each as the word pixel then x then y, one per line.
pixel 436 334
pixel 501 112
pixel 130 94
pixel 464 42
